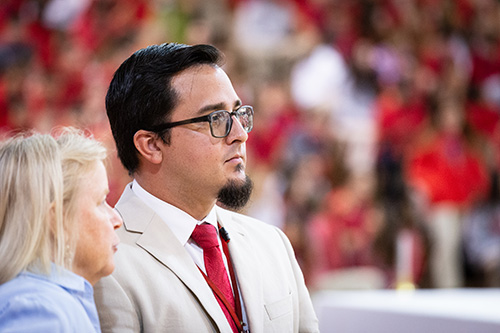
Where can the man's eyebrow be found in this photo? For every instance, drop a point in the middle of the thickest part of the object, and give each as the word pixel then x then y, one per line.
pixel 217 107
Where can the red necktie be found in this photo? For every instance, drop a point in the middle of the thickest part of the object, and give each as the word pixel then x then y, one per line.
pixel 205 236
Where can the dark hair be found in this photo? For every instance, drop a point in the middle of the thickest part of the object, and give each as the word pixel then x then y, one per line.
pixel 140 95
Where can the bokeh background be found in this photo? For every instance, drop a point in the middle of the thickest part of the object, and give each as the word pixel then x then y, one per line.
pixel 376 144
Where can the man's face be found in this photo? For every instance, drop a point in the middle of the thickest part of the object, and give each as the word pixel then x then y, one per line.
pixel 201 163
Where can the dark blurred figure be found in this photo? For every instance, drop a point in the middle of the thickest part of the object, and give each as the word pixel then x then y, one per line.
pixel 482 238
pixel 401 246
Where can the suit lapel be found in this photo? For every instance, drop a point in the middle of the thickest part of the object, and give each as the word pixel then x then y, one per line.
pixel 249 275
pixel 159 241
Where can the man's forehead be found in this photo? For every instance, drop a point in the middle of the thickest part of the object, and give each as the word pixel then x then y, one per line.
pixel 205 88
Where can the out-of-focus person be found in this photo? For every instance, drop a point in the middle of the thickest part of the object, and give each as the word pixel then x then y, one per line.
pixel 449 174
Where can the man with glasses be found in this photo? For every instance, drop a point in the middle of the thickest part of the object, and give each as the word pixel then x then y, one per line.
pixel 186 264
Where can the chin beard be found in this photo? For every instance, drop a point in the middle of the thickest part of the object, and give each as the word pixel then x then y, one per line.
pixel 235 195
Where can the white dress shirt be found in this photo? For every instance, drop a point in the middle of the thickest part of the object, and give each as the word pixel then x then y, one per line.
pixel 181 223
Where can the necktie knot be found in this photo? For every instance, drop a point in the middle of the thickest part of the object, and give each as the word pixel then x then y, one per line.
pixel 205 236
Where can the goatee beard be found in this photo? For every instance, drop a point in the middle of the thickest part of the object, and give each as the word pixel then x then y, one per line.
pixel 235 195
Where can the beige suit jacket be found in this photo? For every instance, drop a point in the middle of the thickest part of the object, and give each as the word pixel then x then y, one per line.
pixel 156 287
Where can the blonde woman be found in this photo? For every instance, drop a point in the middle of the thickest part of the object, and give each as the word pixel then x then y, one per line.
pixel 85 191
pixel 51 226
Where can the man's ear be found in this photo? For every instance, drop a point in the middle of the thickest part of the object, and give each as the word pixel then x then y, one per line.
pixel 146 143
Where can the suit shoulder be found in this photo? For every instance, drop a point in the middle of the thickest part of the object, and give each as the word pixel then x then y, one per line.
pixel 248 225
pixel 247 221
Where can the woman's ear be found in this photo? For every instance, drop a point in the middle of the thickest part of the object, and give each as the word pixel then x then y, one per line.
pixel 146 143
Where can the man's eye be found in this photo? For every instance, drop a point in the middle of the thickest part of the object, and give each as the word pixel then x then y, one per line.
pixel 218 118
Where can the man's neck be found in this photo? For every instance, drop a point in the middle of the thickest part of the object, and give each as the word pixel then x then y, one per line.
pixel 196 205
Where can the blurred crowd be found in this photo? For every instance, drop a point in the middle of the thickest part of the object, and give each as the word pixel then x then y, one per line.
pixel 376 143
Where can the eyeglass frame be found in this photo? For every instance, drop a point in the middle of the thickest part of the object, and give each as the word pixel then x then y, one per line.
pixel 208 118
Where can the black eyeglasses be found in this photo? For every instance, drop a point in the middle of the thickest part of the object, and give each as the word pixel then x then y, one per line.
pixel 220 121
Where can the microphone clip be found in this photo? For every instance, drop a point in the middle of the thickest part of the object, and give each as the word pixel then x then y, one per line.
pixel 224 234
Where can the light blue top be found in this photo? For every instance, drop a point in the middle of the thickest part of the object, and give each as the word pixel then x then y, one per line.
pixel 61 302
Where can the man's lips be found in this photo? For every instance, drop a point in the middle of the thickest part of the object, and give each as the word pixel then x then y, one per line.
pixel 236 158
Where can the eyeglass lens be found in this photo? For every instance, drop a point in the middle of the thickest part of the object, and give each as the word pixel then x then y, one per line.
pixel 221 121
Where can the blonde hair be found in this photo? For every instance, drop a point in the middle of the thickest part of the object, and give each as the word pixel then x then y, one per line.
pixel 79 153
pixel 31 216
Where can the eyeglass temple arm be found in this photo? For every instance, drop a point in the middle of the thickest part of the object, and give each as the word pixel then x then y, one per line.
pixel 165 126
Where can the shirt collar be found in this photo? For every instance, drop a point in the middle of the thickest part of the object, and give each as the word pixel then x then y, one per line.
pixel 180 223
pixel 63 277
